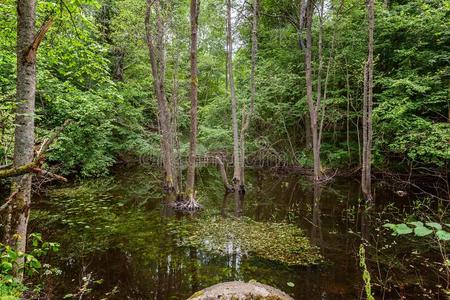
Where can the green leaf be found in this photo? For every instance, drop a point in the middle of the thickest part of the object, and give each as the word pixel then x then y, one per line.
pixel 443 235
pixel 416 223
pixel 390 226
pixel 35 264
pixel 6 266
pixel 403 229
pixel 434 225
pixel 422 231
pixel 291 284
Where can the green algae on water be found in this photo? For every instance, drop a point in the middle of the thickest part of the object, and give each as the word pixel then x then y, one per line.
pixel 279 242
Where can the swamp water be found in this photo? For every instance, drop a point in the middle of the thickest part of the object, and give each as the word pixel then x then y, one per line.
pixel 118 242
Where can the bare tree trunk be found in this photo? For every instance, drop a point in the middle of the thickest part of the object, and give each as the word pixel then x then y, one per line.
pixel 367 108
pixel 236 155
pixel 247 116
pixel 174 121
pixel 194 11
pixel 448 105
pixel 347 85
pixel 301 44
pixel 308 137
pixel 24 130
pixel 119 65
pixel 313 107
pixel 157 63
pixel 301 21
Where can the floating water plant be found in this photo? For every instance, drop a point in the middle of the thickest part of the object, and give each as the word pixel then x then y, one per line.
pixel 279 242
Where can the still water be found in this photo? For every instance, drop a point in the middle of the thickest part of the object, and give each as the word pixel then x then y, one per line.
pixel 116 239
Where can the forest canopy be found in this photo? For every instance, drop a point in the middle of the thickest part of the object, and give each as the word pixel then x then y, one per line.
pixel 93 68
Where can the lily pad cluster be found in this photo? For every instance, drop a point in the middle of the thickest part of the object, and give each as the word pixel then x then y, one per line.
pixel 279 242
pixel 420 229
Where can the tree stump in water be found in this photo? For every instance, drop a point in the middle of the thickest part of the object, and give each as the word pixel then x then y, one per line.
pixel 239 290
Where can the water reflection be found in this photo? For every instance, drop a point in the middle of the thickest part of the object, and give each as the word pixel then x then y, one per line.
pixel 239 203
pixel 129 243
pixel 316 228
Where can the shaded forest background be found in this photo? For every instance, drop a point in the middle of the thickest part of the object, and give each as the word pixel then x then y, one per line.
pixel 93 68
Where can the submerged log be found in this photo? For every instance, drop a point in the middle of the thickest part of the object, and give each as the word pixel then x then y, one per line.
pixel 239 290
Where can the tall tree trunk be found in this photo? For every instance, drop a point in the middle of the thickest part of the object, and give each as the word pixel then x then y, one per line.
pixel 367 107
pixel 308 135
pixel 247 116
pixel 313 107
pixel 194 11
pixel 157 63
pixel 236 155
pixel 301 22
pixel 24 130
pixel 347 85
pixel 174 109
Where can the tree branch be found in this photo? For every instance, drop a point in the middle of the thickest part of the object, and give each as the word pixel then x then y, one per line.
pixel 37 161
pixel 9 200
pixel 30 55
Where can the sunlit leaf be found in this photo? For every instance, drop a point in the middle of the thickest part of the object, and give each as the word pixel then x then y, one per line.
pixel 434 225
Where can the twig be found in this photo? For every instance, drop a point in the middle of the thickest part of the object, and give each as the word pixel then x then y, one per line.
pixel 9 200
pixel 4 167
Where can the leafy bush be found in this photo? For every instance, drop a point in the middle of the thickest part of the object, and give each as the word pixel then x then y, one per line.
pixel 420 229
pixel 10 262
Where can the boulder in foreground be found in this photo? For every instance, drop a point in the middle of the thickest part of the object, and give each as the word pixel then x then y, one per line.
pixel 239 290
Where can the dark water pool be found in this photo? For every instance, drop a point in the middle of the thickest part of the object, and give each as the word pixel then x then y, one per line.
pixel 116 241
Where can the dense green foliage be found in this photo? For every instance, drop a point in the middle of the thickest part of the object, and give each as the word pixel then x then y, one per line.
pixel 10 287
pixel 93 68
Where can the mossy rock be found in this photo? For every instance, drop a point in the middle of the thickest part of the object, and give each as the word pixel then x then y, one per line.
pixel 239 290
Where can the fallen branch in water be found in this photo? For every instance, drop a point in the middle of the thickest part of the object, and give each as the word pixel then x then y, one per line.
pixel 42 172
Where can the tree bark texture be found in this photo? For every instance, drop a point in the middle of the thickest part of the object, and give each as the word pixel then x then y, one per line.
pixel 313 107
pixel 247 115
pixel 24 130
pixel 190 183
pixel 223 174
pixel 157 62
pixel 236 154
pixel 366 182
